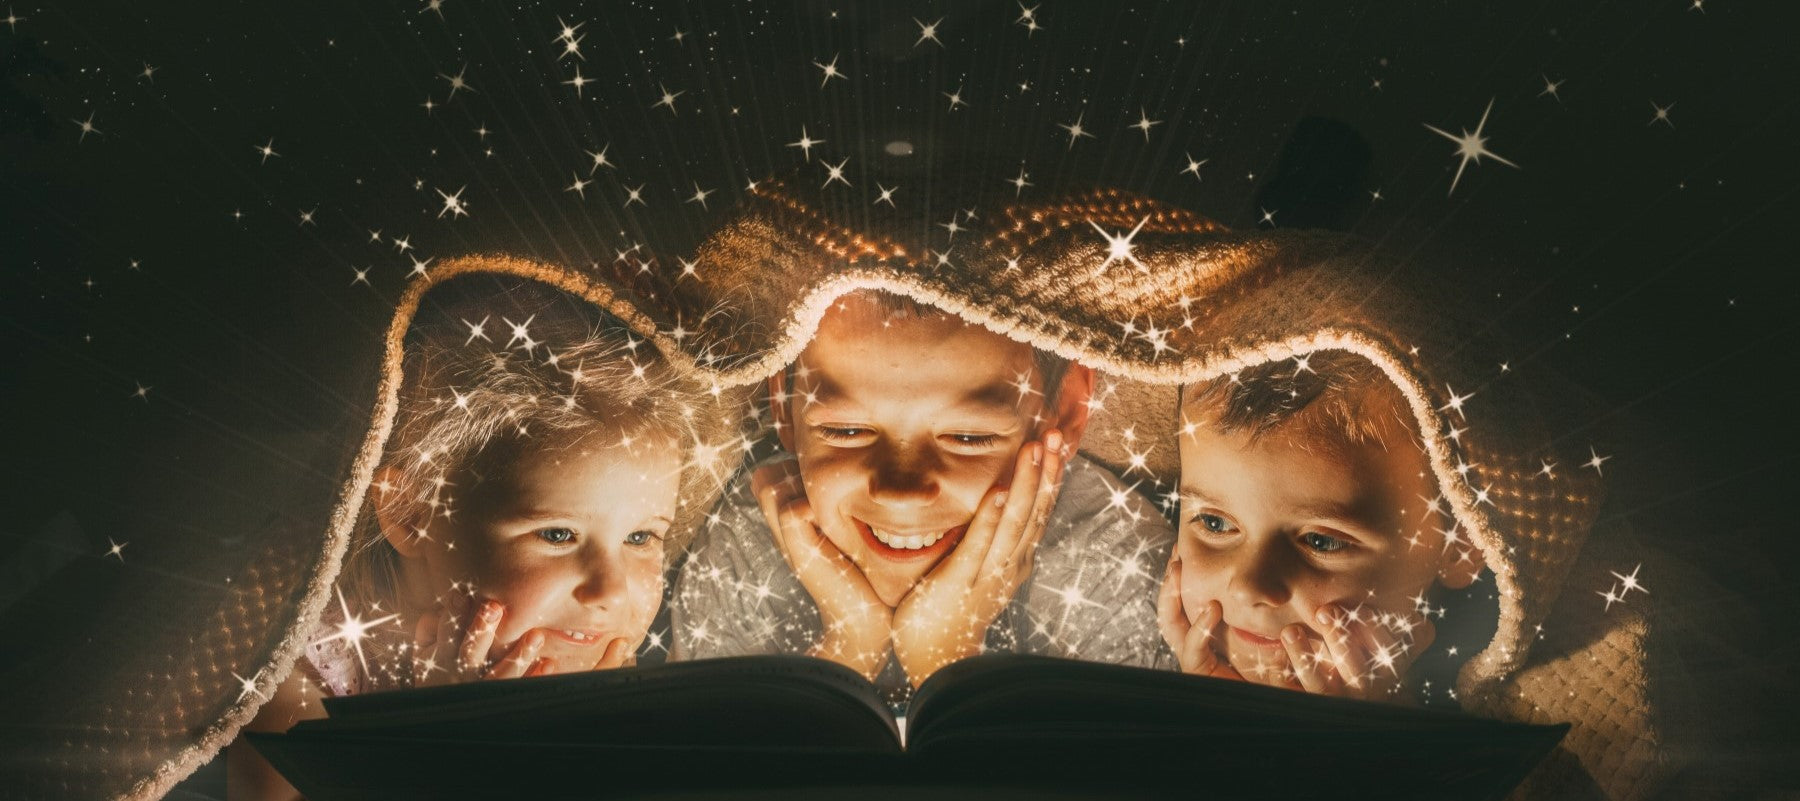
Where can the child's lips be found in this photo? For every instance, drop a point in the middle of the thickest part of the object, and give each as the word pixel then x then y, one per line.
pixel 1252 638
pixel 578 637
pixel 930 545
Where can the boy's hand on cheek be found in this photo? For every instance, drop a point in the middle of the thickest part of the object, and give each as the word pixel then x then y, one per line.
pixel 445 651
pixel 1194 643
pixel 1360 655
pixel 947 614
pixel 856 622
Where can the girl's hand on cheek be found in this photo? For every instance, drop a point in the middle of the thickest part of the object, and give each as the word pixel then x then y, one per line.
pixel 1359 655
pixel 449 648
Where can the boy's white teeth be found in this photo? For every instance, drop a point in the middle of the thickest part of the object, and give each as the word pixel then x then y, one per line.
pixel 907 542
pixel 578 635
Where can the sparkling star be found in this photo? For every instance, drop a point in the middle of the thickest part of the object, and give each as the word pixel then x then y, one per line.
pixel 836 173
pixel 1118 246
pixel 599 158
pixel 700 195
pixel 1268 216
pixel 579 186
pixel 568 31
pixel 952 226
pixel 1471 146
pixel 805 143
pixel 149 73
pixel 578 82
pixel 247 687
pixel 668 98
pixel 118 549
pixel 453 204
pixel 418 266
pixel 688 268
pixel 1020 181
pixel 1547 469
pixel 456 81
pixel 1631 582
pixel 306 217
pixel 1192 166
pixel 362 277
pixel 1612 596
pixel 477 331
pixel 1144 123
pixel 1662 114
pixel 572 47
pixel 1075 130
pixel 1455 404
pixel 13 19
pixel 636 195
pixel 87 127
pixel 354 629
pixel 830 70
pixel 403 243
pixel 1551 88
pixel 887 195
pixel 1595 460
pixel 436 6
pixel 928 32
pixel 1026 14
pixel 955 98
pixel 520 331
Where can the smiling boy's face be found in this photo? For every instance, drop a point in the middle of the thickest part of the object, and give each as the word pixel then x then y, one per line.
pixel 1276 526
pixel 901 423
pixel 570 540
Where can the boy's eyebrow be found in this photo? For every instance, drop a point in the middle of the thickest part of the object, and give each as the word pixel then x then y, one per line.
pixel 997 395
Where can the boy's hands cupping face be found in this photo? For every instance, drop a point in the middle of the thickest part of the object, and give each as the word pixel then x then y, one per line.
pixel 1196 641
pixel 855 620
pixel 451 647
pixel 947 614
pixel 1361 654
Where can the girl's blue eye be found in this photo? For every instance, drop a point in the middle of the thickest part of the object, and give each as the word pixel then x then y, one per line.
pixel 1323 543
pixel 1214 523
pixel 640 538
pixel 556 536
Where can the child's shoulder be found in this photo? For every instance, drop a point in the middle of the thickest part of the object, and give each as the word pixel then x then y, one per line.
pixel 1095 504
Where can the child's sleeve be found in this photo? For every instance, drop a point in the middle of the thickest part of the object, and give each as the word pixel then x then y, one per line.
pixel 1092 595
pixel 735 594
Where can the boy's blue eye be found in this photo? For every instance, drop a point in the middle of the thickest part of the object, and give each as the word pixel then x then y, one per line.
pixel 1214 523
pixel 640 538
pixel 556 536
pixel 1323 543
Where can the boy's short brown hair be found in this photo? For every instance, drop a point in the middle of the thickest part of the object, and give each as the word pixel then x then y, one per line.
pixel 1331 396
pixel 1050 367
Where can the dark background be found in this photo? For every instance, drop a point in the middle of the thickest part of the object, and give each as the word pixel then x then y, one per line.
pixel 1646 258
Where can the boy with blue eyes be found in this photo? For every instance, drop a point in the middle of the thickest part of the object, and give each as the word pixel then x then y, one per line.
pixel 930 506
pixel 1309 538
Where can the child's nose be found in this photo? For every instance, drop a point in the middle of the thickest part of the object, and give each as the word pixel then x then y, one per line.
pixel 1259 575
pixel 903 477
pixel 607 586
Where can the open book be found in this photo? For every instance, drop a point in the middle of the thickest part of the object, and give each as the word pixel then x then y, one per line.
pixel 992 726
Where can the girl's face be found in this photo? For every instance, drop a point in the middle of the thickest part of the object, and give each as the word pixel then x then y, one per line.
pixel 568 539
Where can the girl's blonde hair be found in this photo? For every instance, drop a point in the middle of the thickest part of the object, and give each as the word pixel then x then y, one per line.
pixel 506 361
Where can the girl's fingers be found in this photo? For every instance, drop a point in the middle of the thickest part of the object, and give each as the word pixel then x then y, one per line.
pixel 544 666
pixel 1303 659
pixel 1042 501
pixel 520 658
pixel 479 639
pixel 1346 656
pixel 615 655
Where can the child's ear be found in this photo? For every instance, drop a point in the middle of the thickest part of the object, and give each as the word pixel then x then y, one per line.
pixel 778 409
pixel 1070 414
pixel 396 515
pixel 1460 566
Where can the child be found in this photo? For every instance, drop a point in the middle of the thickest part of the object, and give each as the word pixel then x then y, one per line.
pixel 516 526
pixel 924 513
pixel 1311 538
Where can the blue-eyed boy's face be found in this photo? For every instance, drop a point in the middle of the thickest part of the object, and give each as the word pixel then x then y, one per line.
pixel 900 424
pixel 1276 527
